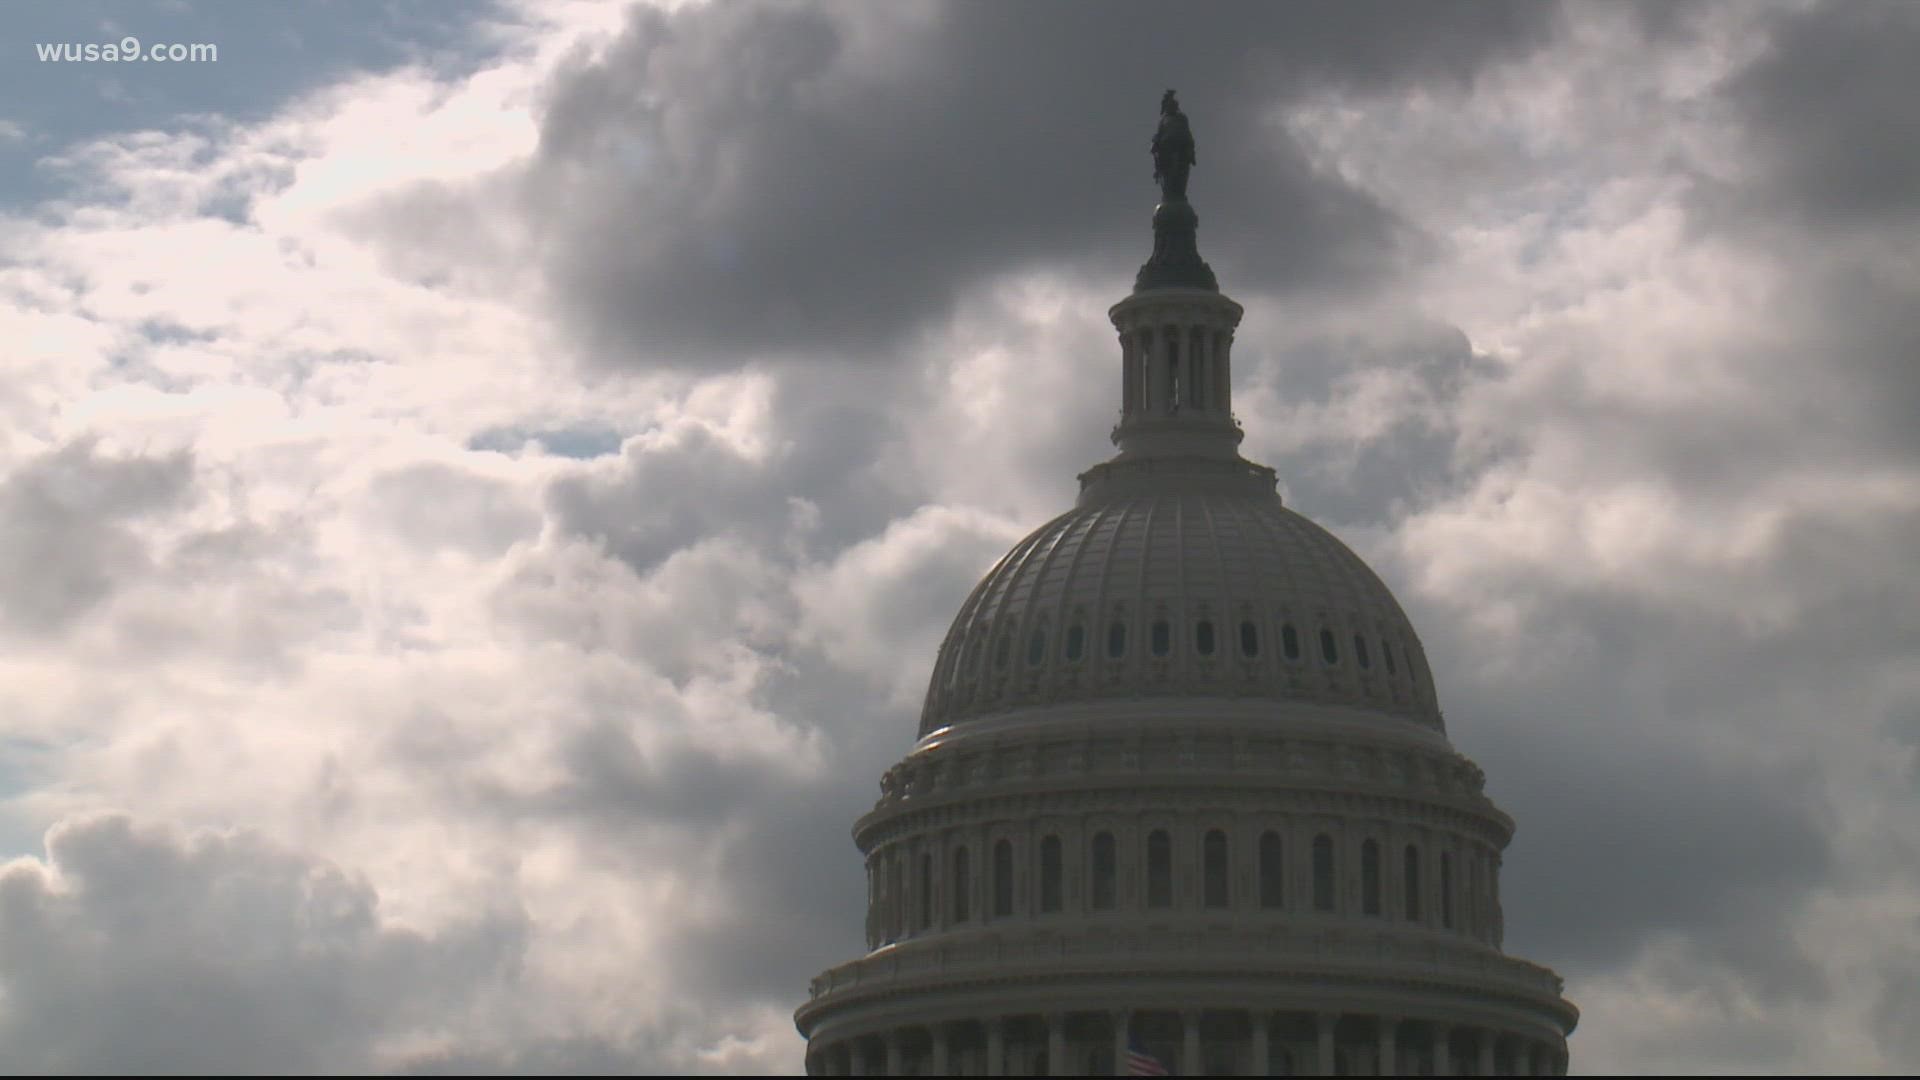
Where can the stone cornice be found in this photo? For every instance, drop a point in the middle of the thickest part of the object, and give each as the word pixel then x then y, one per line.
pixel 1279 955
pixel 1175 305
pixel 1148 794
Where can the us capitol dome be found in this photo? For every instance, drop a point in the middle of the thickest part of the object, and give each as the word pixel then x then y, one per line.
pixel 1182 799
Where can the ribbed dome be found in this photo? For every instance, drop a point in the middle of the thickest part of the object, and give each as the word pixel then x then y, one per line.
pixel 1182 796
pixel 1167 590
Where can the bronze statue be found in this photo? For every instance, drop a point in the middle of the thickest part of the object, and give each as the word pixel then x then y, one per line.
pixel 1175 262
pixel 1172 150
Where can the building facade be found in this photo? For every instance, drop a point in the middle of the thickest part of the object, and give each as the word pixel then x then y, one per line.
pixel 1182 794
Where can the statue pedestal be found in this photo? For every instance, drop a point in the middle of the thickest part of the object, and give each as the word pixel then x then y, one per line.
pixel 1176 261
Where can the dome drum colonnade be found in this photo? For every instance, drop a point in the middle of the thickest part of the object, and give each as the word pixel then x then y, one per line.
pixel 1182 782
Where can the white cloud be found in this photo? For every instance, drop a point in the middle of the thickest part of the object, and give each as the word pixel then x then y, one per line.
pixel 547 763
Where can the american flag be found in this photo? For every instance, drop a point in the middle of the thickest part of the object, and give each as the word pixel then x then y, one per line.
pixel 1141 1063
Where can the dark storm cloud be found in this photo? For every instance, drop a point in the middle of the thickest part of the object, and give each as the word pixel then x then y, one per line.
pixel 663 499
pixel 797 893
pixel 1855 360
pixel 1830 108
pixel 1631 840
pixel 831 435
pixel 148 953
pixel 65 541
pixel 759 179
pixel 1827 118
pixel 1348 475
pixel 1638 822
pixel 776 844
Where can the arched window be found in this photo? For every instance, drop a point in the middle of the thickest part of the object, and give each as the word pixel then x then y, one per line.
pixel 926 893
pixel 1289 642
pixel 1159 869
pixel 1037 645
pixel 1446 890
pixel 1213 856
pixel 1323 873
pixel 1050 875
pixel 1386 654
pixel 1002 879
pixel 1370 878
pixel 1328 651
pixel 1203 638
pixel 1003 650
pixel 1162 638
pixel 1116 639
pixel 1249 640
pixel 1412 877
pixel 1076 641
pixel 1360 651
pixel 1104 875
pixel 962 886
pixel 1273 877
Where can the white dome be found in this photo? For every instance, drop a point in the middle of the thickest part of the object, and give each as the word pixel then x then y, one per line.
pixel 1182 796
pixel 1212 594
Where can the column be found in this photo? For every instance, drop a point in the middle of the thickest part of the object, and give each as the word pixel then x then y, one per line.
pixel 996 1046
pixel 1323 1027
pixel 1442 1063
pixel 1262 1051
pixel 1197 366
pixel 981 883
pixel 1120 1042
pixel 1190 1064
pixel 896 902
pixel 856 1057
pixel 1129 376
pixel 892 1039
pixel 1387 1027
pixel 1057 1045
pixel 1486 1053
pixel 1223 367
pixel 1150 397
pixel 939 1033
pixel 1429 874
pixel 910 890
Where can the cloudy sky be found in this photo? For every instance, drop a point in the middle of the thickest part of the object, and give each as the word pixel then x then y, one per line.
pixel 480 492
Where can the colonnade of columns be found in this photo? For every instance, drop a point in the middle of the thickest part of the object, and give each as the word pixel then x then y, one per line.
pixel 1174 368
pixel 1189 1043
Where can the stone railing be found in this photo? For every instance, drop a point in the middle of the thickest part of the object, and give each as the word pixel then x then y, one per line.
pixel 1345 762
pixel 1271 952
